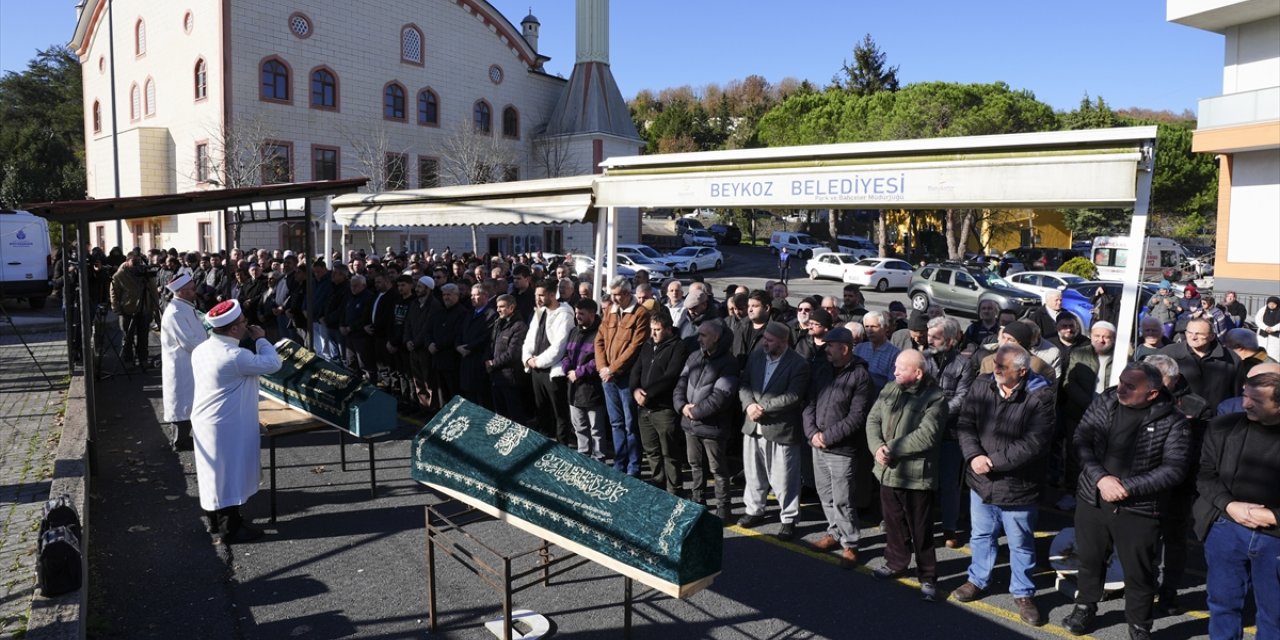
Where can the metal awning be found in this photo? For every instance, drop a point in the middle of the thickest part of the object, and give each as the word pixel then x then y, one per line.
pixel 550 201
pixel 1053 169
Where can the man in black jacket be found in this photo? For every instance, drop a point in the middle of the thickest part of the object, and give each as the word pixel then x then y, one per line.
pixel 1005 428
pixel 586 397
pixel 947 360
pixel 1210 368
pixel 835 417
pixel 704 394
pixel 506 371
pixel 1132 447
pixel 473 346
pixel 653 382
pixel 354 318
pixel 1237 511
pixel 443 333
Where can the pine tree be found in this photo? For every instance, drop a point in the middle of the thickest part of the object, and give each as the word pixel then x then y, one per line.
pixel 868 74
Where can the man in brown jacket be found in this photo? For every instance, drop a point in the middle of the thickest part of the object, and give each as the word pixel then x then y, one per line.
pixel 623 329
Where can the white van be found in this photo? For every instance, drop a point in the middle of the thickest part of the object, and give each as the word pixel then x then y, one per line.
pixel 25 258
pixel 1163 258
pixel 801 245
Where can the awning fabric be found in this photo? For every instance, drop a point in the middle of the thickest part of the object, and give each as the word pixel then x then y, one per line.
pixel 551 201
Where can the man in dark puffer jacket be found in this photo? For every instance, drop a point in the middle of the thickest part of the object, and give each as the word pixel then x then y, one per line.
pixel 706 390
pixel 1132 446
pixel 653 379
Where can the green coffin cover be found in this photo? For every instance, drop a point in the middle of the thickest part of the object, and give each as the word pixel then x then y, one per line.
pixel 671 544
pixel 328 392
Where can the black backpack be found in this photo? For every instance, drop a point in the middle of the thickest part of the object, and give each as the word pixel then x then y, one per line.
pixel 59 556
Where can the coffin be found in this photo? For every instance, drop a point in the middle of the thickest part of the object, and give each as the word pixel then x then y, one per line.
pixel 517 475
pixel 328 392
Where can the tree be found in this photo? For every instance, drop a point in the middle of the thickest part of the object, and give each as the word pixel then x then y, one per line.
pixel 371 152
pixel 42 130
pixel 555 157
pixel 241 153
pixel 1089 223
pixel 473 157
pixel 868 73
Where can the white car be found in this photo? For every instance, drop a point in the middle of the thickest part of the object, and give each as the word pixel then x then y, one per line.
pixel 698 238
pixel 881 273
pixel 639 250
pixel 829 264
pixel 1042 282
pixel 583 263
pixel 694 259
pixel 657 271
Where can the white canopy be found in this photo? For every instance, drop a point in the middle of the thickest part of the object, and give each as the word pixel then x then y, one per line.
pixel 551 201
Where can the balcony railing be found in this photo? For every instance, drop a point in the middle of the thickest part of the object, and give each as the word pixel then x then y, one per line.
pixel 1246 107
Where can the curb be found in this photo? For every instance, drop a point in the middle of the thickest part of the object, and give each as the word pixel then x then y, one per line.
pixel 64 617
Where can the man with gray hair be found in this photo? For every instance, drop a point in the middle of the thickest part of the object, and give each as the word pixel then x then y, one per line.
pixel 1088 375
pixel 1132 447
pixel 951 367
pixel 877 350
pixel 773 399
pixel 1245 344
pixel 1005 428
pixel 623 329
pixel 1046 315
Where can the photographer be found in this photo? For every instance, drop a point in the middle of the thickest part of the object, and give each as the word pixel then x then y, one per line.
pixel 134 300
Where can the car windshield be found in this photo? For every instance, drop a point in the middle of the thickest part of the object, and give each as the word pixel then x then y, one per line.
pixel 1071 279
pixel 641 259
pixel 990 279
pixel 804 238
pixel 687 252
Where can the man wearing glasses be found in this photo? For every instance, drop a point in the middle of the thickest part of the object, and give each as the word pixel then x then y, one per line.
pixel 1210 369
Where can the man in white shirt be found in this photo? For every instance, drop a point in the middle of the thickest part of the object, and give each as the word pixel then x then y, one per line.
pixel 180 333
pixel 542 351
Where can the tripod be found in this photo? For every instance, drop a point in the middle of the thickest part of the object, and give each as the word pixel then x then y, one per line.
pixel 17 333
pixel 103 343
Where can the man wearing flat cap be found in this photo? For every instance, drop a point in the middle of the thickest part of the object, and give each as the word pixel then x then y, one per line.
pixel 180 334
pixel 1020 333
pixel 916 334
pixel 773 396
pixel 224 419
pixel 813 336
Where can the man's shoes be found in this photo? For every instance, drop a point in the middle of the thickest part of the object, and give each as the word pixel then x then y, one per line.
pixel 950 539
pixel 722 512
pixel 885 573
pixel 928 592
pixel 1168 601
pixel 787 531
pixel 826 543
pixel 1139 633
pixel 1028 611
pixel 1080 620
pixel 244 533
pixel 848 558
pixel 968 592
pixel 749 521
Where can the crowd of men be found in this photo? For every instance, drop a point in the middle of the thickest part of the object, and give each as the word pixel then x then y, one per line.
pixel 882 413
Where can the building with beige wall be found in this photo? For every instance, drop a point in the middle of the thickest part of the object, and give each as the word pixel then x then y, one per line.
pixel 214 93
pixel 1242 128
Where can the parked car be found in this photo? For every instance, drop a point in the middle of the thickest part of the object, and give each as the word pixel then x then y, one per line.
pixel 694 259
pixel 685 224
pixel 829 264
pixel 956 286
pixel 1042 258
pixel 639 250
pixel 1043 282
pixel 698 238
pixel 1078 299
pixel 584 263
pixel 726 233
pixel 25 257
pixel 857 246
pixel 801 245
pixel 657 271
pixel 881 273
pixel 660 212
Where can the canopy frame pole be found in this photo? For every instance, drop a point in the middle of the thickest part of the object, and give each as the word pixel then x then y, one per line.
pixel 611 249
pixel 1137 258
pixel 328 228
pixel 602 229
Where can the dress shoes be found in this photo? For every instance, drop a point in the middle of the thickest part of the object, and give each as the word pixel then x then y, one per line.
pixel 1028 611
pixel 1139 633
pixel 1080 620
pixel 968 592
pixel 749 521
pixel 786 531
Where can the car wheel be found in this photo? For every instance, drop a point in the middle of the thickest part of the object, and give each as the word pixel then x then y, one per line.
pixel 813 274
pixel 693 267
pixel 919 301
pixel 719 263
pixel 882 286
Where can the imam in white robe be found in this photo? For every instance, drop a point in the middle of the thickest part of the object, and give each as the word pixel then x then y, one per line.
pixel 180 333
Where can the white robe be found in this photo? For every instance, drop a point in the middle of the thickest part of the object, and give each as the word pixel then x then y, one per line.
pixel 180 333
pixel 1271 344
pixel 224 419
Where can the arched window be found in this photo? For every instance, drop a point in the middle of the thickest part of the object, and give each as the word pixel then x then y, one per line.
pixel 482 115
pixel 428 108
pixel 511 122
pixel 411 44
pixel 202 79
pixel 135 102
pixel 275 80
pixel 97 116
pixel 139 38
pixel 324 89
pixel 151 97
pixel 393 102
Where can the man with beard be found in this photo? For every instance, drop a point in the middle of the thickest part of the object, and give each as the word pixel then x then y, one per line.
pixel 417 327
pixel 1208 367
pixel 772 395
pixel 623 329
pixel 812 344
pixel 916 334
pixel 748 333
pixel 1132 447
pixel 986 328
pixel 542 353
pixel 180 333
pixel 586 398
pixel 443 333
pixel 854 304
pixel 704 394
pixel 1046 315
pixel 948 365
pixel 698 308
pixel 473 346
pixel 652 383
pixel 134 300
pixel 835 414
pixel 510 383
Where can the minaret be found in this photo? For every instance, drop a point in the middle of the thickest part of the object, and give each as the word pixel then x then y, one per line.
pixel 591 102
pixel 529 29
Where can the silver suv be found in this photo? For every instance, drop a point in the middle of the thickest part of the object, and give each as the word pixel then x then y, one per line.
pixel 959 287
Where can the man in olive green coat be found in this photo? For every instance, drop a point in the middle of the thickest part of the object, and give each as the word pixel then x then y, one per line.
pixel 904 431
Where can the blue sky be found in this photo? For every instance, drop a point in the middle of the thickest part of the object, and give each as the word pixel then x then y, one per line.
pixel 1122 50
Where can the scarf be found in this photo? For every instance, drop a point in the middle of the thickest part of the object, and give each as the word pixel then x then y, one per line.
pixel 1271 317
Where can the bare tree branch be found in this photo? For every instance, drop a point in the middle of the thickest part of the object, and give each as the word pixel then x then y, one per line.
pixel 555 157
